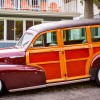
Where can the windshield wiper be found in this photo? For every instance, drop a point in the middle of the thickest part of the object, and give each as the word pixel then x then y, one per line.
pixel 25 43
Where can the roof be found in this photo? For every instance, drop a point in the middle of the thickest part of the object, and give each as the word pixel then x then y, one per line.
pixel 64 24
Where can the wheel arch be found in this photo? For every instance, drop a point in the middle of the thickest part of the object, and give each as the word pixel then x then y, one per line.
pixel 94 66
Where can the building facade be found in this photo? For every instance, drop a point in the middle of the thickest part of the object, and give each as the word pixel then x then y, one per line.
pixel 16 16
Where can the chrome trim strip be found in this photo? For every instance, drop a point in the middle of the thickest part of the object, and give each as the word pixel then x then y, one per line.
pixel 16 57
pixel 27 88
pixel 68 82
pixel 49 84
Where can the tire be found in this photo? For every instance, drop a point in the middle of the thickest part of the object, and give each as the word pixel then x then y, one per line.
pixel 98 77
pixel 2 88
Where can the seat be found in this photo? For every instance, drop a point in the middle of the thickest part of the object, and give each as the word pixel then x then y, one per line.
pixel 43 6
pixel 8 4
pixel 54 7
pixel 25 6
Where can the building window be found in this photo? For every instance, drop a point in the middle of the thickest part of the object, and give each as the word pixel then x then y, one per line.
pixel 10 30
pixel 29 23
pixel 18 29
pixel 1 30
pixel 14 29
pixel 35 2
pixel 37 22
pixel 66 1
pixel 43 0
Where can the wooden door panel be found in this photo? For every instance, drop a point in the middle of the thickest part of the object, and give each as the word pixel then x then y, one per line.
pixel 76 60
pixel 47 60
pixel 96 49
pixel 76 53
pixel 52 70
pixel 76 68
pixel 43 57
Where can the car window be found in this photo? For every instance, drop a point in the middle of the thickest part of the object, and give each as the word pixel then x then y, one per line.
pixel 26 38
pixel 74 36
pixel 95 34
pixel 46 39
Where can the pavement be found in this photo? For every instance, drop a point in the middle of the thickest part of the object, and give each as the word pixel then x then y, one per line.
pixel 78 91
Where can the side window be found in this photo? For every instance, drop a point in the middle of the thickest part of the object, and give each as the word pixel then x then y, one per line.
pixel 95 34
pixel 46 39
pixel 74 36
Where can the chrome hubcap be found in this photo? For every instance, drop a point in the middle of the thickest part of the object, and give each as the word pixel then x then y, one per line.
pixel 99 75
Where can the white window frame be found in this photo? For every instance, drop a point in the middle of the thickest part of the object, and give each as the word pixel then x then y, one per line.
pixel 17 19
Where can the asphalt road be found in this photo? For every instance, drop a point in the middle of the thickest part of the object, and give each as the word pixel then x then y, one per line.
pixel 77 91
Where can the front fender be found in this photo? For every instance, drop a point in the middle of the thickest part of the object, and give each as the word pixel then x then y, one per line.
pixel 21 76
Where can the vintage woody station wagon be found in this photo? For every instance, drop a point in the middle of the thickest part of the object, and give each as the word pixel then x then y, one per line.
pixel 52 54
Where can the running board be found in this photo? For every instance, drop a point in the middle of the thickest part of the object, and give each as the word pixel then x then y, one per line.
pixel 49 84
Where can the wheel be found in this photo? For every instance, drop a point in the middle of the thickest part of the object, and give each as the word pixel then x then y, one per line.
pixel 98 77
pixel 2 88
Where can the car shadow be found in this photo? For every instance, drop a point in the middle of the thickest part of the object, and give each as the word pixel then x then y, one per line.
pixel 74 86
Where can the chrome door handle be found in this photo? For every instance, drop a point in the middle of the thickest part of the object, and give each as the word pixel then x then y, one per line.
pixel 90 46
pixel 57 50
pixel 87 47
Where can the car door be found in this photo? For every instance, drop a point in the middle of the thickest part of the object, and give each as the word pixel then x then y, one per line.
pixel 45 52
pixel 77 52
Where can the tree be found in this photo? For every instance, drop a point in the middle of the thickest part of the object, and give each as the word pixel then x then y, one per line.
pixel 88 8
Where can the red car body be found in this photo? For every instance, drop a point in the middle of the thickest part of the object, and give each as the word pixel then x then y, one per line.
pixel 14 72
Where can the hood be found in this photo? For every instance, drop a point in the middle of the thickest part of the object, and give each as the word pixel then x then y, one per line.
pixel 12 56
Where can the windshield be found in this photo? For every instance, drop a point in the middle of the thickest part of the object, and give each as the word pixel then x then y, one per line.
pixel 25 40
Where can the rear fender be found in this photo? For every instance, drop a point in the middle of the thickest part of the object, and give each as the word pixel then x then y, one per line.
pixel 95 65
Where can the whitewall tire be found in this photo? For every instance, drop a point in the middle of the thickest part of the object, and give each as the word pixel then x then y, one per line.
pixel 2 89
pixel 98 77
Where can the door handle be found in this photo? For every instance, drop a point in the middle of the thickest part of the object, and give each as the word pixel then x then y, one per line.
pixel 90 46
pixel 60 51
pixel 87 47
pixel 57 50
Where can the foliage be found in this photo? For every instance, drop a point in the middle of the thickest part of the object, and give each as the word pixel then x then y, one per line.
pixel 95 1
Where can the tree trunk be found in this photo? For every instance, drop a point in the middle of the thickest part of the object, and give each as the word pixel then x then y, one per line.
pixel 88 9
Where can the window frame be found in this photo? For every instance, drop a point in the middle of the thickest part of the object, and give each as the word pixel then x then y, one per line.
pixel 38 35
pixel 3 30
pixel 16 19
pixel 77 27
pixel 13 29
pixel 93 26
